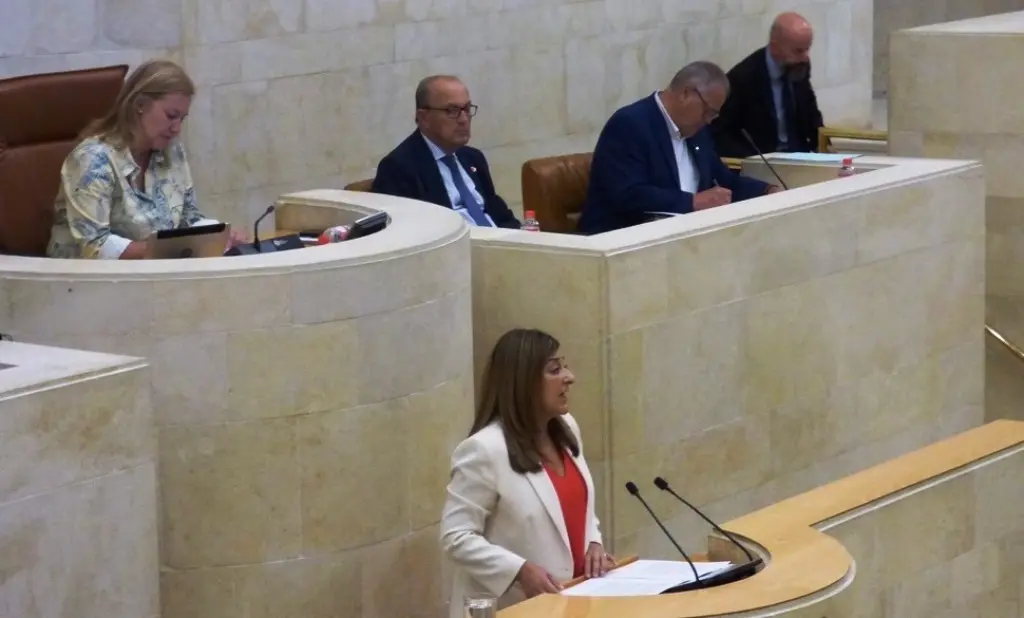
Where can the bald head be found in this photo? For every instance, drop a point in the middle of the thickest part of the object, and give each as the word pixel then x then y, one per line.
pixel 790 39
pixel 790 25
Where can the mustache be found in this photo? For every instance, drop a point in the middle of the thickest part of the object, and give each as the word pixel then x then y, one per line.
pixel 798 71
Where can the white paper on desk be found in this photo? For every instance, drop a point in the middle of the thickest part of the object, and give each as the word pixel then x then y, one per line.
pixel 643 577
pixel 658 213
pixel 811 157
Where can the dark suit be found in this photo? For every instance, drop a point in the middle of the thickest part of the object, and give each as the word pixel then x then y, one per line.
pixel 410 170
pixel 751 105
pixel 634 171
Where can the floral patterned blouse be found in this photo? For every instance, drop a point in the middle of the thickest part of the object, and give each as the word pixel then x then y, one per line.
pixel 99 211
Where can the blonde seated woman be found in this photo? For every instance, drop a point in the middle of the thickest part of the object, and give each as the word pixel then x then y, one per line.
pixel 519 519
pixel 129 177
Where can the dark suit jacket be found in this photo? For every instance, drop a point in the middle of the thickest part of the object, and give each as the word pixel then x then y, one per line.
pixel 751 106
pixel 410 170
pixel 634 171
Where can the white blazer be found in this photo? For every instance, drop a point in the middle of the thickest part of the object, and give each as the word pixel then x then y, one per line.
pixel 495 519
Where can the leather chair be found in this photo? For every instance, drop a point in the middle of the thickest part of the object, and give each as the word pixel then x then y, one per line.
pixel 363 185
pixel 41 117
pixel 555 189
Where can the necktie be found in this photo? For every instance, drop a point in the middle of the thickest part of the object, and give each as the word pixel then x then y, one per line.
pixel 474 209
pixel 789 113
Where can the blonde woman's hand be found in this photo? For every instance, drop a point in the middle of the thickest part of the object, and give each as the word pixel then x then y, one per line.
pixel 236 237
pixel 535 580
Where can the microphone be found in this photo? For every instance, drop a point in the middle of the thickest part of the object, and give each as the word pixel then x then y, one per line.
pixel 750 141
pixel 728 575
pixel 281 243
pixel 663 485
pixel 635 491
pixel 256 226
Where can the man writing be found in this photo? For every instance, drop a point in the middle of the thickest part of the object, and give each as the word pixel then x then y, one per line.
pixel 656 157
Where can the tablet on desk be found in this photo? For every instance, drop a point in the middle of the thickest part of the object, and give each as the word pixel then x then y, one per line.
pixel 370 224
pixel 189 242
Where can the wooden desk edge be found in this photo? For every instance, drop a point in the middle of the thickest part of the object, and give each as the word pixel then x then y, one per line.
pixel 787 531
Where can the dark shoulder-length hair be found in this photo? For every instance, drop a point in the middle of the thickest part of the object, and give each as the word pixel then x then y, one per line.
pixel 511 394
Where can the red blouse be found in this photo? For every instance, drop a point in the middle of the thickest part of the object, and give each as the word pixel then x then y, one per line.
pixel 572 495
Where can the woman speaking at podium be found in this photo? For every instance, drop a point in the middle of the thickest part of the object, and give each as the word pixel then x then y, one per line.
pixel 129 176
pixel 519 517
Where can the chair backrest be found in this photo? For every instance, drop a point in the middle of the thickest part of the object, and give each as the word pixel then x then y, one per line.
pixel 41 117
pixel 555 189
pixel 363 185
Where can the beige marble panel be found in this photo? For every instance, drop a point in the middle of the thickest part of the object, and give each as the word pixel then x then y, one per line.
pixel 360 582
pixel 965 563
pixel 752 359
pixel 306 405
pixel 43 446
pixel 230 493
pixel 649 541
pixel 53 543
pixel 976 53
pixel 77 485
pixel 894 15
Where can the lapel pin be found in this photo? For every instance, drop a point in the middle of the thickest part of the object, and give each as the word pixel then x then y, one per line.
pixel 472 169
pixel 696 147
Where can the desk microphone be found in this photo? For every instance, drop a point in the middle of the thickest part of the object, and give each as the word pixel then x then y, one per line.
pixel 728 575
pixel 633 489
pixel 256 226
pixel 663 485
pixel 282 243
pixel 750 141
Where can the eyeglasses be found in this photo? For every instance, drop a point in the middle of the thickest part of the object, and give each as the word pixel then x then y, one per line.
pixel 710 113
pixel 454 112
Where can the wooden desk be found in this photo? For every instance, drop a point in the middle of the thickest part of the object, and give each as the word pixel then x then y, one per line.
pixel 825 135
pixel 803 563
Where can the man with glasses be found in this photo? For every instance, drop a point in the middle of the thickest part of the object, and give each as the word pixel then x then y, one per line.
pixel 435 163
pixel 655 158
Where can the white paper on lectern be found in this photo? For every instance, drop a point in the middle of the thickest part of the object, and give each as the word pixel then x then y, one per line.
pixel 812 157
pixel 642 578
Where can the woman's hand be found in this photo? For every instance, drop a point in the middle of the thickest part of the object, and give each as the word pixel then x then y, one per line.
pixel 597 562
pixel 236 237
pixel 535 580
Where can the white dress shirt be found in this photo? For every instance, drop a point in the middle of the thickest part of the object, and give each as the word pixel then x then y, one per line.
pixel 687 172
pixel 449 185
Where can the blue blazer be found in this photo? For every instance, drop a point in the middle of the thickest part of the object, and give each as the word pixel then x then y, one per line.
pixel 410 170
pixel 634 171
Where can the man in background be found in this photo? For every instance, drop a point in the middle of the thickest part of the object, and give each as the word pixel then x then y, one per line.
pixel 772 97
pixel 436 164
pixel 655 158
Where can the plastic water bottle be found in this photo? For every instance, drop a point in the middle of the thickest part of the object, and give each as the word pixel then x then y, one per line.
pixel 847 169
pixel 530 223
pixel 337 233
pixel 481 606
